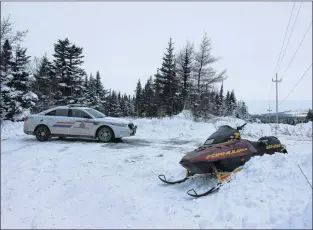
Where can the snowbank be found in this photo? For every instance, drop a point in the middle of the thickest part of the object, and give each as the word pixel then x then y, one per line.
pixel 9 129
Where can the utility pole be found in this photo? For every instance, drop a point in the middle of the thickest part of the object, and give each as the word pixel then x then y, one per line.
pixel 269 114
pixel 276 81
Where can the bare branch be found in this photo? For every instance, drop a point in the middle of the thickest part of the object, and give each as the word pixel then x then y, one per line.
pixel 6 32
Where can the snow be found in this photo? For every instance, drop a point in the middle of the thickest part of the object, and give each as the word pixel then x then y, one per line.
pixel 63 84
pixel 21 116
pixel 30 95
pixel 86 184
pixel 5 88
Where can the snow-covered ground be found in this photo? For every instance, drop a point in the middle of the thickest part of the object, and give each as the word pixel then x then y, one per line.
pixel 86 184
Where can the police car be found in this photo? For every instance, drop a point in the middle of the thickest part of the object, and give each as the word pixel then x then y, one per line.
pixel 77 121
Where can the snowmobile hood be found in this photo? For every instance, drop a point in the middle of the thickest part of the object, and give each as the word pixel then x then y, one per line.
pixel 222 134
pixel 217 152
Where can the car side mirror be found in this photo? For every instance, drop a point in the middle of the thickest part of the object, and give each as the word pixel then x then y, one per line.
pixel 87 117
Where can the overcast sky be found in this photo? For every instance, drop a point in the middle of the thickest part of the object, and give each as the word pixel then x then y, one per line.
pixel 126 41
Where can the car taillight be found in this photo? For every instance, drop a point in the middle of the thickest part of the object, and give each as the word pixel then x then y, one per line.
pixel 26 118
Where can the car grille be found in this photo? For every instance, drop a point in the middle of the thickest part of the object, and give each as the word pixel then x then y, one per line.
pixel 131 126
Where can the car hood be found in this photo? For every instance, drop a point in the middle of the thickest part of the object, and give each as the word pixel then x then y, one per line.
pixel 113 120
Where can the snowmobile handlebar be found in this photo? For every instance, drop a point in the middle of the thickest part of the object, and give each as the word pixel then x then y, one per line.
pixel 241 127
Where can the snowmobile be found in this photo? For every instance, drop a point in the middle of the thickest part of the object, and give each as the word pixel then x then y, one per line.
pixel 223 154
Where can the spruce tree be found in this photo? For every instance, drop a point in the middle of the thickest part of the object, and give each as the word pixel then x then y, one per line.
pixel 6 62
pixel 227 104
pixel 148 98
pixel 21 83
pixel 232 103
pixel 309 116
pixel 217 105
pixel 131 106
pixel 184 71
pixel 221 102
pixel 114 106
pixel 138 100
pixel 123 106
pixel 45 85
pixel 6 74
pixel 67 64
pixel 99 86
pixel 168 81
pixel 242 110
pixel 157 100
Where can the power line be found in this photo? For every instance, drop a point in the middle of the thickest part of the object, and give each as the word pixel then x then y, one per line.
pixel 285 35
pixel 298 48
pixel 293 26
pixel 296 84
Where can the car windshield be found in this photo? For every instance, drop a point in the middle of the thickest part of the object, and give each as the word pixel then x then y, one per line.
pixel 95 113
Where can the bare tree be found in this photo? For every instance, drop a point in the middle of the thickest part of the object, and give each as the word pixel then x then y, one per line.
pixel 204 75
pixel 7 32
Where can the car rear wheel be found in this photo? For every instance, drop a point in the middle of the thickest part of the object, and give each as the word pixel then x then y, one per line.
pixel 42 133
pixel 105 134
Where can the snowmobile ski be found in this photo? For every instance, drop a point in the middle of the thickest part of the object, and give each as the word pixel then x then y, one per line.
pixel 209 192
pixel 163 178
pixel 212 190
pixel 222 179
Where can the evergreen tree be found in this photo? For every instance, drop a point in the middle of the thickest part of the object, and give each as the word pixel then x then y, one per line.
pixel 45 85
pixel 232 103
pixel 91 93
pixel 139 99
pixel 123 106
pixel 99 86
pixel 6 62
pixel 157 100
pixel 114 106
pixel 6 77
pixel 148 97
pixel 220 102
pixel 21 84
pixel 168 81
pixel 242 110
pixel 217 105
pixel 131 106
pixel 67 64
pixel 184 70
pixel 227 104
pixel 309 116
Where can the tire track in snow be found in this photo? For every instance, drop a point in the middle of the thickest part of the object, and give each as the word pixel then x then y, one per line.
pixel 15 150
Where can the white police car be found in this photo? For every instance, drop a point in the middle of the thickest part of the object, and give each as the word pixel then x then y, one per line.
pixel 77 121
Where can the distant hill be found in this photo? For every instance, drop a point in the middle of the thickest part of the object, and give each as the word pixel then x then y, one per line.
pixel 289 113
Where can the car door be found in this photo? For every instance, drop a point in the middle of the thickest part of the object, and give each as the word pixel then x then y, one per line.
pixel 82 123
pixel 60 123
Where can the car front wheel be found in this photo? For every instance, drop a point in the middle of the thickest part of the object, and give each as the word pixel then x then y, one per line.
pixel 42 133
pixel 105 134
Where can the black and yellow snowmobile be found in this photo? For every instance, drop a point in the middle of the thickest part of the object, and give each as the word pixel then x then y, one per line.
pixel 224 153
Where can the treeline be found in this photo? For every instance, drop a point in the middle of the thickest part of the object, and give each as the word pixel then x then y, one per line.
pixel 185 80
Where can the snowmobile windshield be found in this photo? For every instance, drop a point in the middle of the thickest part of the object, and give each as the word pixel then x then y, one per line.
pixel 221 135
pixel 209 141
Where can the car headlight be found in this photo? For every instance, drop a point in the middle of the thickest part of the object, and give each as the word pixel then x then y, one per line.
pixel 121 125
